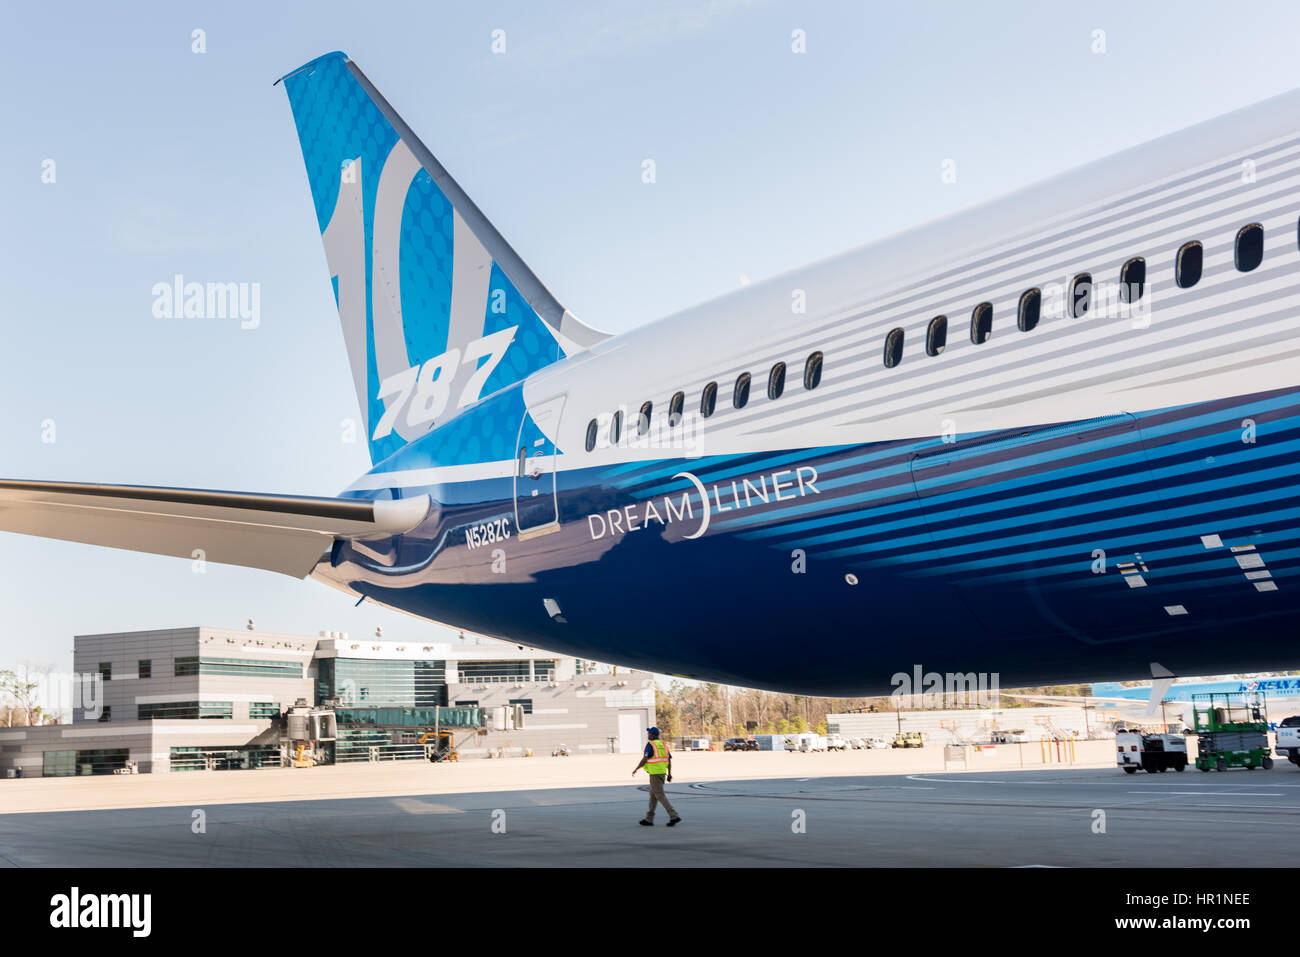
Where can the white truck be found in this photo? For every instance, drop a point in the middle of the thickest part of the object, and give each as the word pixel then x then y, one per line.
pixel 835 742
pixel 1288 739
pixel 1150 752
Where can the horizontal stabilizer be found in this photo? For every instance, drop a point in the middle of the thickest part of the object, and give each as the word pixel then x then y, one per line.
pixel 280 533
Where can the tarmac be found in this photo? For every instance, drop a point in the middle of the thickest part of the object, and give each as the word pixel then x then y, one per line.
pixel 851 809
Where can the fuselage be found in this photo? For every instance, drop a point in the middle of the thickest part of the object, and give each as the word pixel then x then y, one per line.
pixel 1070 492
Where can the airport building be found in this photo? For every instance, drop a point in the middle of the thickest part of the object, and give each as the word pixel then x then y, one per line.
pixel 214 699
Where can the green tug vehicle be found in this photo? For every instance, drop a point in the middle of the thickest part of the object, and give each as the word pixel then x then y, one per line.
pixel 1232 730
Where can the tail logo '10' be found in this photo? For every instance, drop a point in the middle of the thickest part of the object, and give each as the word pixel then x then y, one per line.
pixel 422 392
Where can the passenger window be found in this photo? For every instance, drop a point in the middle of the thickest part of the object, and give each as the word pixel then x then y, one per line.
pixel 616 427
pixel 981 323
pixel 591 435
pixel 936 337
pixel 1132 280
pixel 1080 295
pixel 709 399
pixel 893 348
pixel 1187 267
pixel 643 420
pixel 812 371
pixel 1250 247
pixel 776 381
pixel 675 406
pixel 1031 306
pixel 741 394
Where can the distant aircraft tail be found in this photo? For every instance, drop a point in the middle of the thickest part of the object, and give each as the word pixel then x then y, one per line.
pixel 437 309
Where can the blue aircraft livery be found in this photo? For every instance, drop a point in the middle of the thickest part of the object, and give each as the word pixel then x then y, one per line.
pixel 1276 690
pixel 1052 438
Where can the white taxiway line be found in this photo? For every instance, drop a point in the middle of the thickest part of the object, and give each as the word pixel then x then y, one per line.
pixel 1235 794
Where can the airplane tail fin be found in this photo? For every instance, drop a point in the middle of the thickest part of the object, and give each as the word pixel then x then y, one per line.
pixel 437 309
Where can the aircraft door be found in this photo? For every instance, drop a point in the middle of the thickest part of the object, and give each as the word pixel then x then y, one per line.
pixel 536 511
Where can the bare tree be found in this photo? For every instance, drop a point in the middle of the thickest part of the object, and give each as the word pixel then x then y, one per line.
pixel 23 690
pixel 7 679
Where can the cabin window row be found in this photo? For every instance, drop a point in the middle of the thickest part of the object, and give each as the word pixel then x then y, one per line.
pixel 740 392
pixel 1248 253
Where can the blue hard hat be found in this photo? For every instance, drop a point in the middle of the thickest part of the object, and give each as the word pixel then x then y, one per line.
pixel 654 731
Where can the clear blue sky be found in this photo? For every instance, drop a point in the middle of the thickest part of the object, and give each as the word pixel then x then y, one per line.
pixel 172 162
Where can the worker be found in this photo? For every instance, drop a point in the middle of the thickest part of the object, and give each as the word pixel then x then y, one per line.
pixel 658 763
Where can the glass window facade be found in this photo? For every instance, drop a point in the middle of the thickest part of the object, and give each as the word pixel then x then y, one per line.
pixel 59 764
pixel 238 666
pixel 66 764
pixel 221 758
pixel 526 702
pixel 459 717
pixel 146 668
pixel 374 744
pixel 382 683
pixel 185 709
pixel 264 709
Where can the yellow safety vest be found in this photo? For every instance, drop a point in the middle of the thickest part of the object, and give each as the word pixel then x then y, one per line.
pixel 659 763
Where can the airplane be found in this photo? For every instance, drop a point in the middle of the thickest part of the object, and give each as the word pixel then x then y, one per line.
pixel 1163 701
pixel 1280 690
pixel 1053 437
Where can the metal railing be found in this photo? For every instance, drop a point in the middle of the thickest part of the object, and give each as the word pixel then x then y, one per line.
pixel 503 679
